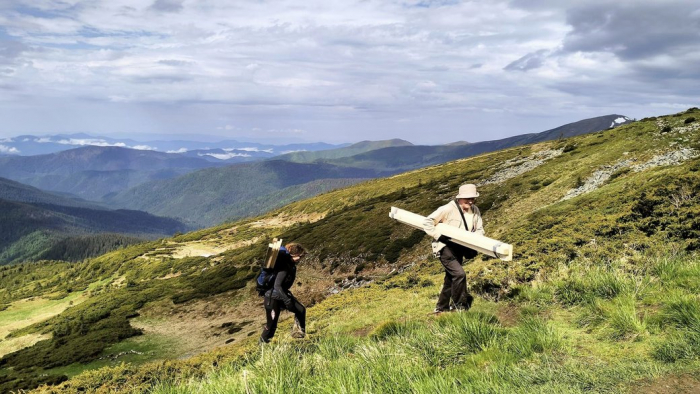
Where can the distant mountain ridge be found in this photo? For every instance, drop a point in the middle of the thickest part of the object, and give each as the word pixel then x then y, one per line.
pixel 354 149
pixel 30 145
pixel 91 172
pixel 35 222
pixel 392 160
pixel 212 196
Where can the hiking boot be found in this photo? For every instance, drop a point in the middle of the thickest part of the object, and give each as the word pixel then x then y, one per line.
pixel 297 331
pixel 469 302
pixel 437 312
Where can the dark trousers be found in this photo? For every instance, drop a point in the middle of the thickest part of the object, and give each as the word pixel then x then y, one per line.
pixel 273 307
pixel 455 285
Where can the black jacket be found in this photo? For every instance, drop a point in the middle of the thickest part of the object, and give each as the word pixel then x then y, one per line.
pixel 286 270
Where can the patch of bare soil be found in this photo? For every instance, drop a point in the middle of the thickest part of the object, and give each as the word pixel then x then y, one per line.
pixel 671 384
pixel 202 325
pixel 206 324
pixel 205 249
pixel 363 332
pixel 508 315
pixel 285 221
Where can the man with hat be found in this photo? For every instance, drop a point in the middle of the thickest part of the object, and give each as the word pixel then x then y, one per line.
pixel 460 212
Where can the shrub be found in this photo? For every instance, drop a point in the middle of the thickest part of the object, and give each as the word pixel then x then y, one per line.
pixel 689 120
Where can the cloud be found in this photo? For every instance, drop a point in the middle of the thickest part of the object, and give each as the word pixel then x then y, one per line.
pixel 143 147
pixel 634 30
pixel 181 150
pixel 292 151
pixel 429 71
pixel 8 149
pixel 167 5
pixel 11 50
pixel 224 156
pixel 81 142
pixel 175 63
pixel 528 62
pixel 249 150
pixel 90 142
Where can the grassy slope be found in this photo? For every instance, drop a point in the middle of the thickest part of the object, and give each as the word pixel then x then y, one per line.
pixel 355 237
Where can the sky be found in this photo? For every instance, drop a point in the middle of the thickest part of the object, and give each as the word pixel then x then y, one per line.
pixel 430 72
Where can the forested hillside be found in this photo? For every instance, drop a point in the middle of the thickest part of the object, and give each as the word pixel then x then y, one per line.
pixel 91 172
pixel 210 196
pixel 601 294
pixel 32 231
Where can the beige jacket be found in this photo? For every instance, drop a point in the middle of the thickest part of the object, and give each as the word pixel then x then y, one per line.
pixel 449 214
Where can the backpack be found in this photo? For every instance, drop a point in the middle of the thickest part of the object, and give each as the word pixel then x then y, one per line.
pixel 266 278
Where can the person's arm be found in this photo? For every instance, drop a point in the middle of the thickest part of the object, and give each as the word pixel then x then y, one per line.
pixel 479 226
pixel 280 292
pixel 479 223
pixel 432 220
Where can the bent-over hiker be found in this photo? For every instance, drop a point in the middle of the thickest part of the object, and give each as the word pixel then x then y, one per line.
pixel 462 213
pixel 279 297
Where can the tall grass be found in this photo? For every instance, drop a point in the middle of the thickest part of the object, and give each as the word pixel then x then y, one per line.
pixel 591 284
pixel 397 358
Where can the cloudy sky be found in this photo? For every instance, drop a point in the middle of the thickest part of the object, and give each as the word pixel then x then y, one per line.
pixel 340 71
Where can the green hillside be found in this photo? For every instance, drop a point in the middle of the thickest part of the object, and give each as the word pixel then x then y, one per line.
pixel 209 197
pixel 91 172
pixel 15 191
pixel 601 295
pixel 34 231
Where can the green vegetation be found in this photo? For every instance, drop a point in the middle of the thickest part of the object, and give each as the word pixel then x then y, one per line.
pixel 602 291
pixel 32 232
pixel 532 343
pixel 210 196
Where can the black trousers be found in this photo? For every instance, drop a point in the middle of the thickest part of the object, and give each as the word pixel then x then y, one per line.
pixel 273 307
pixel 455 285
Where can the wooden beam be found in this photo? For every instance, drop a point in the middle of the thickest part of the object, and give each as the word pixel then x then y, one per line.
pixel 273 249
pixel 480 243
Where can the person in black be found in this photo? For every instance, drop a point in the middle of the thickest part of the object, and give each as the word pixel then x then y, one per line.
pixel 279 297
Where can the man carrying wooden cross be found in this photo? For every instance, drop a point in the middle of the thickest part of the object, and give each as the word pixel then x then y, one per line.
pixel 462 213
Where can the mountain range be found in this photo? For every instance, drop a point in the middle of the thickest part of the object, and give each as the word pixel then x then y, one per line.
pixel 31 145
pixel 91 172
pixel 218 194
pixel 202 193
